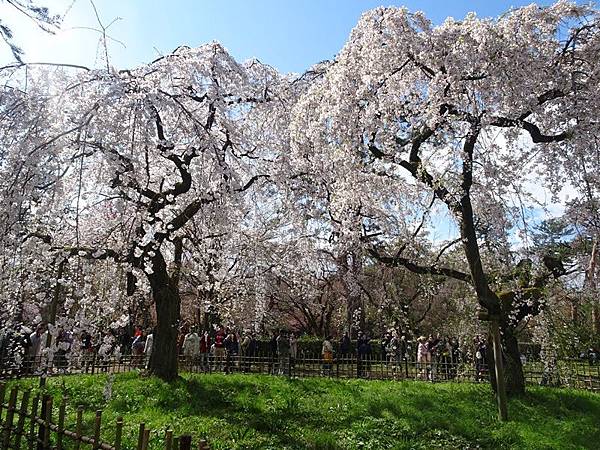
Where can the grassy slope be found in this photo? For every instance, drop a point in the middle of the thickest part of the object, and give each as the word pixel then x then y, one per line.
pixel 244 411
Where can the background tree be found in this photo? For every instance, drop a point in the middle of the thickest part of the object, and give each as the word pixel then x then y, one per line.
pixel 463 111
pixel 143 152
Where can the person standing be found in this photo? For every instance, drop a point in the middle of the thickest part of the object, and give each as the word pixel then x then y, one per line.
pixel 368 353
pixel 293 350
pixel 23 343
pixel 433 344
pixel 283 352
pixel 137 349
pixel 245 352
pixel 454 357
pixel 148 348
pixel 393 352
pixel 345 346
pixel 38 342
pixel 183 331
pixel 204 350
pixel 423 357
pixel 219 348
pixel 273 350
pixel 87 351
pixel 480 359
pixel 232 350
pixel 361 353
pixel 327 355
pixel 64 341
pixel 191 348
pixel 293 346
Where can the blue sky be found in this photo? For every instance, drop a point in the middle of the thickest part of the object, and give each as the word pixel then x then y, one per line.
pixel 288 34
pixel 291 35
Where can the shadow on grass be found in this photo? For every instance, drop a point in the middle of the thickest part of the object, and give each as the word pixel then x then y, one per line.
pixel 464 414
pixel 276 412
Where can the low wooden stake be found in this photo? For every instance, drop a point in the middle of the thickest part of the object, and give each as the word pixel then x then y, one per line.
pixel 118 433
pixel 499 368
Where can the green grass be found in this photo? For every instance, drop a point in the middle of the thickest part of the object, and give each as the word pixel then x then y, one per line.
pixel 263 412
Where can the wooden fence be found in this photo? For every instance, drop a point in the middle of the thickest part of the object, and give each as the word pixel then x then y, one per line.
pixel 32 423
pixel 579 374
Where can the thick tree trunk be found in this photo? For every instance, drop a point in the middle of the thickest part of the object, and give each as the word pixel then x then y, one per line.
pixel 513 369
pixel 165 292
pixel 514 378
pixel 574 311
pixel 590 281
pixel 596 317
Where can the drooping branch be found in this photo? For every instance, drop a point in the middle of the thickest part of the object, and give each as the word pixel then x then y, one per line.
pixel 399 261
pixel 24 64
pixel 415 167
pixel 534 131
pixel 251 181
pixel 446 247
pixel 418 228
pixel 94 253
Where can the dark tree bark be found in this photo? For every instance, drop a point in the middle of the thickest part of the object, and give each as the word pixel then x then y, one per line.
pixel 590 281
pixel 165 292
pixel 514 379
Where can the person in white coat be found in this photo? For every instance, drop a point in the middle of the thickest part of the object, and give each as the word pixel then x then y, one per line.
pixel 38 341
pixel 148 348
pixel 191 347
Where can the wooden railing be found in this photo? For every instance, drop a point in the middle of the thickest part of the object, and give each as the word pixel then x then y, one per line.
pixel 580 374
pixel 32 423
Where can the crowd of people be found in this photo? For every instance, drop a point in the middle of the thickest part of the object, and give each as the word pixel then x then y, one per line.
pixel 431 354
pixel 222 349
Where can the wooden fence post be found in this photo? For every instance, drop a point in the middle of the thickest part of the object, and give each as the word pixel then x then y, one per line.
pixel 169 440
pixel 47 423
pixel 10 414
pixel 97 425
pixel 118 433
pixel 78 427
pixel 499 370
pixel 185 442
pixel 141 436
pixel 146 439
pixel 43 408
pixel 32 422
pixel 61 424
pixel 22 415
pixel 42 417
